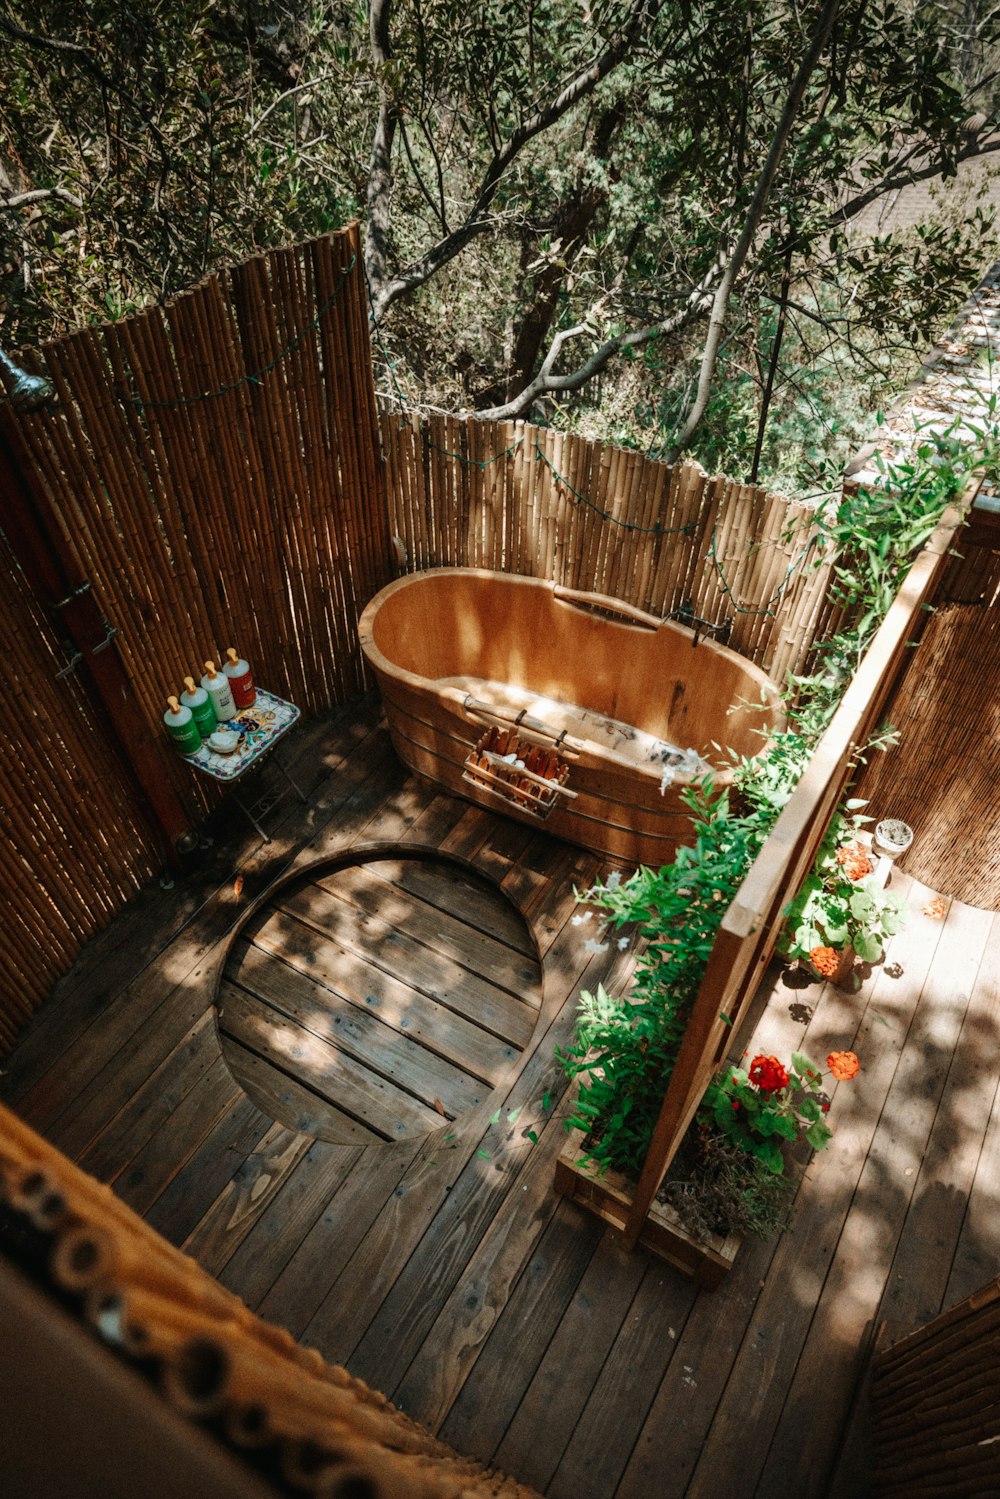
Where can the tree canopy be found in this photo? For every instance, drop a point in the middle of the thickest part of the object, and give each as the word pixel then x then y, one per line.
pixel 635 216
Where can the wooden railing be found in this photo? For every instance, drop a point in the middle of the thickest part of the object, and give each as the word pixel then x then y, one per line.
pixel 750 928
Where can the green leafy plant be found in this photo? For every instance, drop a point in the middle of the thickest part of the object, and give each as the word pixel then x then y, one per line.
pixel 840 905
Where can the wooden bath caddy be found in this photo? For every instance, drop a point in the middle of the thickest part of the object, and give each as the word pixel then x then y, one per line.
pixel 536 791
pixel 609 1196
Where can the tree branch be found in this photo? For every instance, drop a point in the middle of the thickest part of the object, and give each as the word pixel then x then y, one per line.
pixel 761 194
pixel 386 291
pixel 39 194
pixel 984 145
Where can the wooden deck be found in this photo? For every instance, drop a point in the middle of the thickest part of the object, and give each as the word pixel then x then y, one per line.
pixel 442 1268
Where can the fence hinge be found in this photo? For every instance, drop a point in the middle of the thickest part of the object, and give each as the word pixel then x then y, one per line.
pixel 110 631
pixel 61 603
pixel 74 660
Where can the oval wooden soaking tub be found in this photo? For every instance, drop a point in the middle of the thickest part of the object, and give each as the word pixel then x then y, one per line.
pixel 569 709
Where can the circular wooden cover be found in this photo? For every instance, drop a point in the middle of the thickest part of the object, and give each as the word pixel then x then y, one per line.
pixel 380 1000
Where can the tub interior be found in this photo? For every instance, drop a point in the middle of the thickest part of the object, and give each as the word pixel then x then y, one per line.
pixel 625 688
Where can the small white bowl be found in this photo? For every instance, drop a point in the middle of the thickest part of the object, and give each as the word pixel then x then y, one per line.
pixel 223 741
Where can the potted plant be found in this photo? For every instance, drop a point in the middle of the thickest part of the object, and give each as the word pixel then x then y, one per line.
pixel 842 912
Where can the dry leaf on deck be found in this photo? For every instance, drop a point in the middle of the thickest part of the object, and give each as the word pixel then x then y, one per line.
pixel 238 886
pixel 439 1106
pixel 936 909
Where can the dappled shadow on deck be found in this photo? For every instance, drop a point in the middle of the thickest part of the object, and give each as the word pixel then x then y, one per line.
pixel 446 1272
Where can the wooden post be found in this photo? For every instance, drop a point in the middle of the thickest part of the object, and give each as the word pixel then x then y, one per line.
pixel 36 539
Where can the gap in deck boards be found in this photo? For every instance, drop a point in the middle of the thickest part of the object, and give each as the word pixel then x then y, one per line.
pixel 371 1002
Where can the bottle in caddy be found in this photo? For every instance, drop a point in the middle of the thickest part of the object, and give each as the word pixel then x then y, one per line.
pixel 219 691
pixel 240 679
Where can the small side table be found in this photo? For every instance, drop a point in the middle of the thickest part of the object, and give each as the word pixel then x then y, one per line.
pixel 260 729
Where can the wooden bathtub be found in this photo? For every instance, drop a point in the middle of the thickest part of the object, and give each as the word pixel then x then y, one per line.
pixel 595 699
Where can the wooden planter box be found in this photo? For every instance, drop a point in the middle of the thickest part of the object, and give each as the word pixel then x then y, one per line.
pixel 609 1196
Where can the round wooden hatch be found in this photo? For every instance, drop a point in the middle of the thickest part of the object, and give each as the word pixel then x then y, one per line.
pixel 378 1000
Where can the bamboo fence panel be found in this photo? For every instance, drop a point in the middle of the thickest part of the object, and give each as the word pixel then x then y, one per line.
pixel 215 473
pixel 947 712
pixel 512 497
pixel 73 849
pixel 319 1429
pixel 936 1404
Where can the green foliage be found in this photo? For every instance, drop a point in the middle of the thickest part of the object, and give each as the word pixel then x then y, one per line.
pixel 624 1049
pixel 834 910
pixel 758 1118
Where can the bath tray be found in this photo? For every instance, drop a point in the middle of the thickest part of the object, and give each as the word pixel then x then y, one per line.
pixel 535 790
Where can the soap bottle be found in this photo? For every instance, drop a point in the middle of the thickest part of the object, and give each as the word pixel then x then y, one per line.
pixel 198 700
pixel 240 680
pixel 181 727
pixel 220 696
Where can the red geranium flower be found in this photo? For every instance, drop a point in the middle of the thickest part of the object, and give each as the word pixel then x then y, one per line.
pixel 768 1074
pixel 844 1065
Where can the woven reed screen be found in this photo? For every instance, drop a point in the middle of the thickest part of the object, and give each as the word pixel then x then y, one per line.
pixel 72 848
pixel 523 499
pixel 215 468
pixel 936 1405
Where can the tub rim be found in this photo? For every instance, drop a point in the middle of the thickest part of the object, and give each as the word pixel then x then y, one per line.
pixel 634 618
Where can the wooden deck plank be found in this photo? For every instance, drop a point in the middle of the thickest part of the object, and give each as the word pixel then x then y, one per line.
pixel 282 1097
pixel 605 1434
pixel 390 1002
pixel 770 1350
pixel 151 1170
pixel 552 1405
pixel 260 1258
pixel 182 1204
pixel 141 1113
pixel 847 1307
pixel 379 944
pixel 976 1256
pixel 526 1324
pixel 366 1034
pixel 374 888
pixel 414 1265
pixel 525 1348
pixel 469 901
pixel 916 1291
pixel 328 1247
pixel 375 1102
pixel 145 930
pixel 109 1042
pixel 245 1197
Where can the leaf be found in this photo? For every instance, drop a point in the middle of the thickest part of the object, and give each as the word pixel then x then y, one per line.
pixel 484 1155
pixel 439 1106
pixel 512 1117
pixel 547 1100
pixel 238 886
pixel 532 1137
pixel 494 1118
pixel 818 1136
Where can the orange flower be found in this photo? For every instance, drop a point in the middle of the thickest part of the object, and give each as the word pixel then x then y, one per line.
pixel 855 863
pixel 937 908
pixel 825 960
pixel 844 1065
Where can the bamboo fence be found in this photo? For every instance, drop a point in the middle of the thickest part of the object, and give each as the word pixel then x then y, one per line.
pixel 936 1404
pixel 516 498
pixel 214 472
pixel 277 1404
